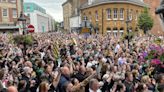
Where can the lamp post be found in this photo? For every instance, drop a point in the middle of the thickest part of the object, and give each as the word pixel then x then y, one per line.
pixel 22 20
pixel 85 21
pixel 127 26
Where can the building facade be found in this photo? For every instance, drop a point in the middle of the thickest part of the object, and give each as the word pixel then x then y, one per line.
pixel 9 13
pixel 67 12
pixel 111 16
pixel 51 23
pixel 38 17
pixel 72 14
pixel 157 29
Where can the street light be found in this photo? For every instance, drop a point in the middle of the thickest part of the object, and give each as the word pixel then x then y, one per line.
pixel 23 20
pixel 127 25
pixel 85 21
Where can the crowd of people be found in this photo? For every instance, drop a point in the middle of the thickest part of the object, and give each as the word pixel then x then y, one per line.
pixel 58 62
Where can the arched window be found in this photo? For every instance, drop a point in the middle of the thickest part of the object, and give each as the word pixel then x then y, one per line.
pixel 130 29
pixel 136 29
pixel 108 30
pixel 121 28
pixel 115 28
pixel 115 31
pixel 121 31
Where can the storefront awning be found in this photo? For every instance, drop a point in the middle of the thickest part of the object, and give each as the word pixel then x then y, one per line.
pixel 8 27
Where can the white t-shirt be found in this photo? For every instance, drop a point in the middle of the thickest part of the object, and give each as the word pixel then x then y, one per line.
pixel 117 48
pixel 90 90
pixel 42 55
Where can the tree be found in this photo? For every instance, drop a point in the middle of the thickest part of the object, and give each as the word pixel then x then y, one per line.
pixel 26 39
pixel 56 24
pixel 145 21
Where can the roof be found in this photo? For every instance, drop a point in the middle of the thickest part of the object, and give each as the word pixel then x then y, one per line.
pixel 35 7
pixel 66 2
pixel 99 2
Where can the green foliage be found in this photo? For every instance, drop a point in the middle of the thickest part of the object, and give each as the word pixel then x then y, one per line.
pixel 157 41
pixel 162 57
pixel 125 36
pixel 20 39
pixel 145 21
pixel 28 39
pixel 150 55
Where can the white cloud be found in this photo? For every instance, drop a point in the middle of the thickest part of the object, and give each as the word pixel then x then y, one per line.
pixel 53 7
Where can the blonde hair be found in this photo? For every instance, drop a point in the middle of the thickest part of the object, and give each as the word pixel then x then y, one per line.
pixel 145 79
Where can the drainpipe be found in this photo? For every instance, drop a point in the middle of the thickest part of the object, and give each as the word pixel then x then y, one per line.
pixel 102 22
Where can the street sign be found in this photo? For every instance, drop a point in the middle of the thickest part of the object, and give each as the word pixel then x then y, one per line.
pixel 31 28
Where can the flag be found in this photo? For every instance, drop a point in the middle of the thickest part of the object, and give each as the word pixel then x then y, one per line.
pixel 56 50
pixel 74 41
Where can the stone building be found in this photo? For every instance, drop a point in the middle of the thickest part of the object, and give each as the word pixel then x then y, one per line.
pixel 109 16
pixel 72 14
pixel 67 12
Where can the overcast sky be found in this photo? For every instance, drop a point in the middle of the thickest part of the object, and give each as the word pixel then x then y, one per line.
pixel 53 7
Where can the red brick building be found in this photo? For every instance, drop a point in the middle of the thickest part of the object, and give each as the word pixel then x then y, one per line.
pixel 157 28
pixel 9 13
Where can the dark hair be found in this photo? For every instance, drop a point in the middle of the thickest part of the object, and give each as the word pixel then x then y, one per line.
pixel 159 78
pixel 140 87
pixel 127 74
pixel 119 86
pixel 93 67
pixel 73 81
pixel 1 74
pixel 21 84
pixel 65 85
pixel 160 87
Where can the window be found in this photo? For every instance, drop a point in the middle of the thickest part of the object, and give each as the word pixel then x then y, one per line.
pixel 115 13
pixel 130 14
pixel 121 31
pixel 115 31
pixel 121 14
pixel 136 15
pixel 28 8
pixel 12 1
pixel 97 17
pixel 109 14
pixel 28 15
pixel 14 12
pixel 89 13
pixel 4 12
